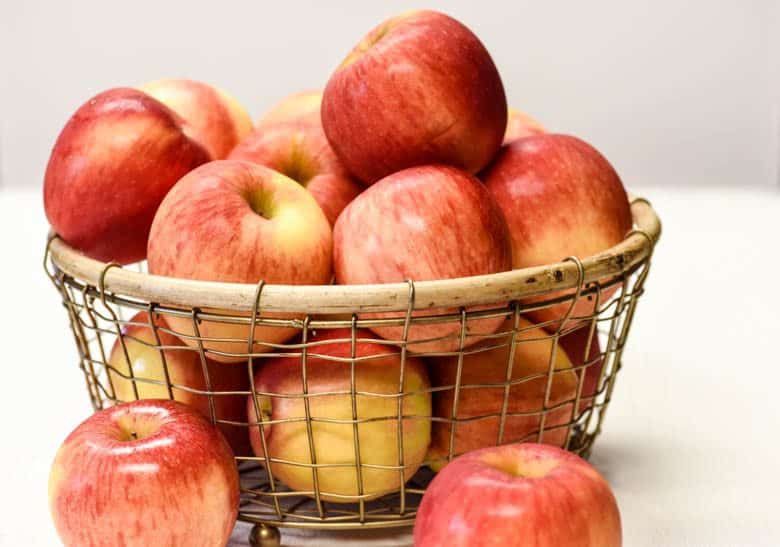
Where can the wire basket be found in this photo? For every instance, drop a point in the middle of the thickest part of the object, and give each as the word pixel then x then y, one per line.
pixel 363 419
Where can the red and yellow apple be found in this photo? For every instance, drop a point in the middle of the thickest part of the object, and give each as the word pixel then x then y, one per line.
pixel 420 88
pixel 144 473
pixel 300 150
pixel 110 168
pixel 235 221
pixel 480 407
pixel 301 106
pixel 328 372
pixel 216 119
pixel 519 494
pixel 148 356
pixel 519 125
pixel 429 222
pixel 561 198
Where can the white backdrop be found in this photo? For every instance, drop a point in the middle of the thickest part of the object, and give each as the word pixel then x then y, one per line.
pixel 674 93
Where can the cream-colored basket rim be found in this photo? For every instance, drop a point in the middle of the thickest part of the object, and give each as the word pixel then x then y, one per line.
pixel 513 285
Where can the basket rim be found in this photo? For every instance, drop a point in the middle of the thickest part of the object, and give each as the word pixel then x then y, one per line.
pixel 511 285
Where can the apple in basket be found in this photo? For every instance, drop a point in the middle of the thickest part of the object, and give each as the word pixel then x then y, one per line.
pixel 422 223
pixel 304 105
pixel 144 473
pixel 520 495
pixel 561 198
pixel 536 354
pixel 216 120
pixel 110 168
pixel 149 355
pixel 420 88
pixel 299 149
pixel 519 125
pixel 235 221
pixel 334 435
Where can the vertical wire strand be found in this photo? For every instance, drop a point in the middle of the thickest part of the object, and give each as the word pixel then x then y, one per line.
pixel 509 369
pixel 400 400
pixel 354 408
pixel 458 374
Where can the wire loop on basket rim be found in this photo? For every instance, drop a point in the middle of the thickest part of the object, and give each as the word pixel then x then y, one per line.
pixel 102 280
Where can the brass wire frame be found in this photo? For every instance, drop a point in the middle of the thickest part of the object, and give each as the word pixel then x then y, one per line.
pixel 97 314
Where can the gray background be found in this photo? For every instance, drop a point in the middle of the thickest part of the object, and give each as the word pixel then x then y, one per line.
pixel 674 93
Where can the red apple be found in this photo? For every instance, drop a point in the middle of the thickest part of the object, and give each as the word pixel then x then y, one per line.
pixel 140 354
pixel 301 106
pixel 480 407
pixel 300 150
pixel 588 359
pixel 235 221
pixel 377 371
pixel 420 88
pixel 110 168
pixel 521 495
pixel 217 120
pixel 519 125
pixel 144 473
pixel 429 222
pixel 561 198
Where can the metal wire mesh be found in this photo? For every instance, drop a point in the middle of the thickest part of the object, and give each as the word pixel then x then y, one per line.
pixel 336 427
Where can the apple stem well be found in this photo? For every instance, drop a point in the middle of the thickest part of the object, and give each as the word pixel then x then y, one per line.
pixel 527 468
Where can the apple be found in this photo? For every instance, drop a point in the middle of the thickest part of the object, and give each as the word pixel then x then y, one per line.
pixel 144 473
pixel 519 125
pixel 519 494
pixel 486 363
pixel 110 168
pixel 301 106
pixel 561 198
pixel 217 120
pixel 235 221
pixel 590 365
pixel 140 354
pixel 377 371
pixel 428 222
pixel 420 88
pixel 300 150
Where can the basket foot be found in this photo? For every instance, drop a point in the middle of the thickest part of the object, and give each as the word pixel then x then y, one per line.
pixel 263 535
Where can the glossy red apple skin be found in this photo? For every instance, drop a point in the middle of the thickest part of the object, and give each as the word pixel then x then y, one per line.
pixel 521 495
pixel 420 88
pixel 486 363
pixel 519 125
pixel 176 484
pixel 185 371
pixel 110 168
pixel 216 119
pixel 561 198
pixel 207 229
pixel 378 371
pixel 300 150
pixel 575 344
pixel 428 222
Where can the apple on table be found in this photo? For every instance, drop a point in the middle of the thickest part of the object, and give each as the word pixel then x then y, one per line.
pixel 377 370
pixel 520 495
pixel 236 221
pixel 148 356
pixel 144 473
pixel 422 223
pixel 420 88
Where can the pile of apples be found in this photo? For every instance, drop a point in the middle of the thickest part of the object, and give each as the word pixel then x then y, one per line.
pixel 409 165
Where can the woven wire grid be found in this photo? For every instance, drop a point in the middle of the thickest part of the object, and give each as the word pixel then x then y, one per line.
pixel 109 328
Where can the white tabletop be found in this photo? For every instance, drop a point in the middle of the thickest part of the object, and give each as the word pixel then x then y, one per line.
pixel 691 439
